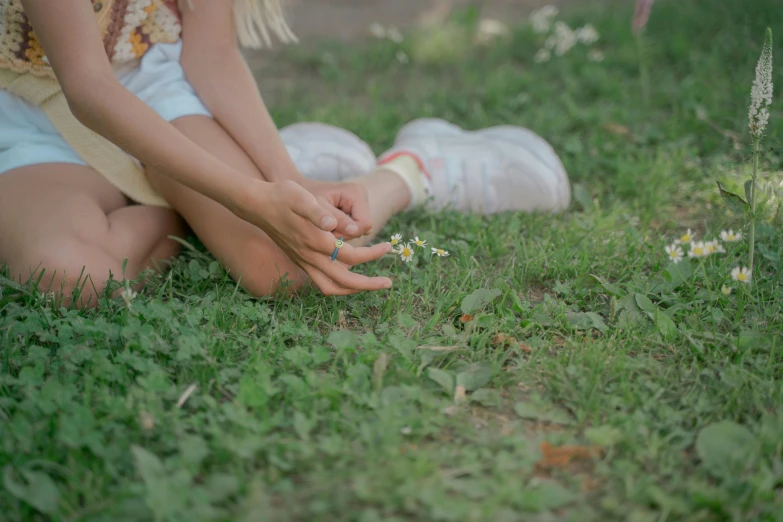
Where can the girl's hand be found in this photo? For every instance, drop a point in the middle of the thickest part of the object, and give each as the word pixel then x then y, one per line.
pixel 347 202
pixel 303 228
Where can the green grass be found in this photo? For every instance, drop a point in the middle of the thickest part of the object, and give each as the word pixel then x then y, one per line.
pixel 340 408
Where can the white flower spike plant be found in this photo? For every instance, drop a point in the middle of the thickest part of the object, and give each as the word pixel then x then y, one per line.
pixel 758 115
pixel 675 253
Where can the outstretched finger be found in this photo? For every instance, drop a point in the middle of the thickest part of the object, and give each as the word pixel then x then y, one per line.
pixel 352 256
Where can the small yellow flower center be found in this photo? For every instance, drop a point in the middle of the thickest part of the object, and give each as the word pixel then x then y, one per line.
pixel 742 277
pixel 394 241
pixel 673 253
pixel 406 252
pixel 697 251
pixel 685 238
pixel 731 237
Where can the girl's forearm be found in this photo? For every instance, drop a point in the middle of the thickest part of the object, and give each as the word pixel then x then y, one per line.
pixel 225 84
pixel 106 107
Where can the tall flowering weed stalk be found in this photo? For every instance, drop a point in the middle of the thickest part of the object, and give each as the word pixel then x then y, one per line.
pixel 640 18
pixel 758 118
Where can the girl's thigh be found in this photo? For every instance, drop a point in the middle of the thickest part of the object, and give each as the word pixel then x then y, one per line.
pixel 71 222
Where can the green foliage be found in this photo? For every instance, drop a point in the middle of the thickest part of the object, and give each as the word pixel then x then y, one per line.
pixel 344 408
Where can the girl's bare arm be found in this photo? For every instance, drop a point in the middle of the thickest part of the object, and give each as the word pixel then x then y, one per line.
pixel 288 213
pixel 220 76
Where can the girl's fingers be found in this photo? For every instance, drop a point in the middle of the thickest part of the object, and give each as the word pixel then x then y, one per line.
pixel 326 285
pixel 350 280
pixel 353 256
pixel 346 227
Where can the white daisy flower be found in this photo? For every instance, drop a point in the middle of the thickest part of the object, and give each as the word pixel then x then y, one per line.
pixel 128 294
pixel 714 247
pixel 419 242
pixel 675 253
pixel 685 238
pixel 726 290
pixel 729 236
pixel 406 253
pixel 395 239
pixel 698 249
pixel 741 274
pixel 440 252
pixel 587 34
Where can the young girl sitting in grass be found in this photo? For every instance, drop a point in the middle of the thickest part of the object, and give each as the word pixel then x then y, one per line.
pixel 124 121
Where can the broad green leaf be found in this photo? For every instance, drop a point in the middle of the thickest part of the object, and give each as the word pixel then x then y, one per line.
pixel 734 201
pixel 644 303
pixel 665 325
pixel 343 340
pixel 479 299
pixel 604 435
pixel 552 495
pixel 679 273
pixel 748 195
pixel 148 464
pixel 220 486
pixel 530 411
pixel 586 320
pixel 727 449
pixel 442 377
pixel 476 375
pixel 40 491
pixel 486 397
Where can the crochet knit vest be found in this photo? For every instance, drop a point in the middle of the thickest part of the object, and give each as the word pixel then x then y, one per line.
pixel 128 28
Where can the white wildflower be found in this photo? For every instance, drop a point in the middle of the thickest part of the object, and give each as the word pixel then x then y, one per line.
pixel 563 39
pixel 543 55
pixel 394 34
pixel 406 253
pixel 542 18
pixel 741 274
pixel 377 30
pixel 685 238
pixel 128 295
pixel 729 236
pixel 675 253
pixel 726 290
pixel 761 93
pixel 698 249
pixel 594 55
pixel 587 34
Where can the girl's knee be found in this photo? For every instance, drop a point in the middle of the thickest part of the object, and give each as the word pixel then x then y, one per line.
pixel 264 271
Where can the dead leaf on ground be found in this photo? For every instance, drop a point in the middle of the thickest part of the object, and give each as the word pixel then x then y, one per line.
pixel 466 318
pixel 616 128
pixel 442 349
pixel 460 393
pixel 562 456
pixel 502 339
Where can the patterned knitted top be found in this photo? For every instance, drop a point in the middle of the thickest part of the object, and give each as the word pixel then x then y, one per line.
pixel 129 28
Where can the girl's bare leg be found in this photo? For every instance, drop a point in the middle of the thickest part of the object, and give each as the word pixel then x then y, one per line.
pixel 388 196
pixel 66 218
pixel 250 256
pixel 245 250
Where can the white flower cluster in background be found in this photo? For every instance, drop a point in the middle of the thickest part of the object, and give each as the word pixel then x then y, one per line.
pixel 560 37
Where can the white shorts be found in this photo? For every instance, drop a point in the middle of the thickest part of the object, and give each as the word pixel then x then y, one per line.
pixel 28 138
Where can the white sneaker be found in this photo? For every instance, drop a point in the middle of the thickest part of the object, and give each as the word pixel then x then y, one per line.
pixel 486 171
pixel 327 153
